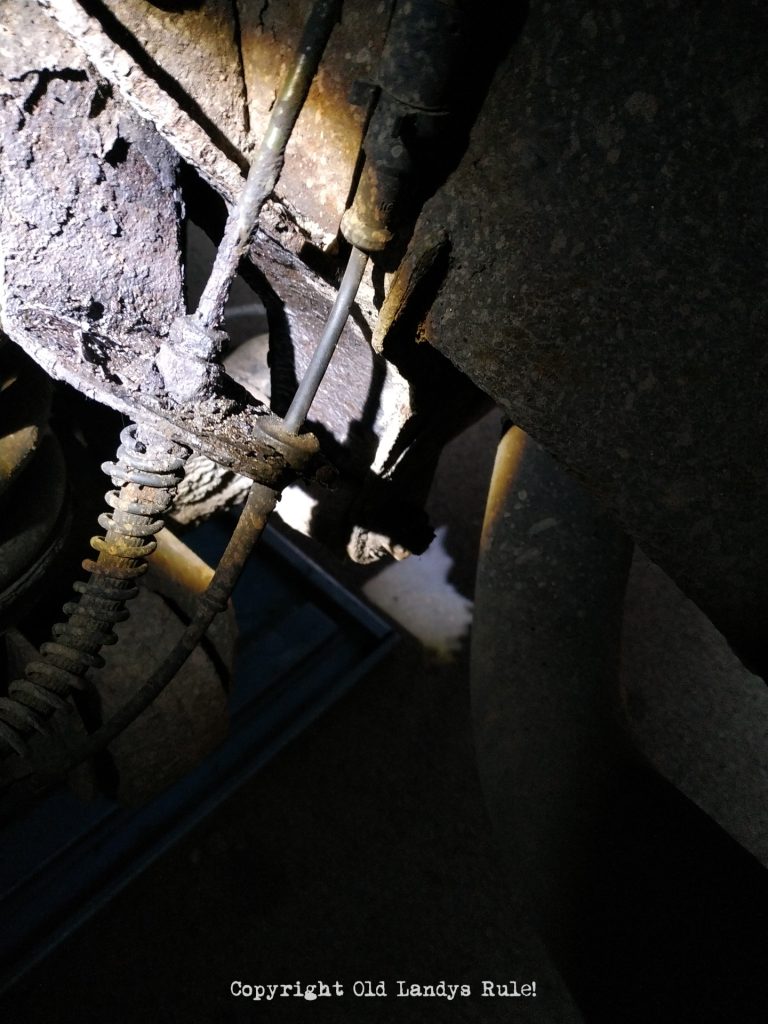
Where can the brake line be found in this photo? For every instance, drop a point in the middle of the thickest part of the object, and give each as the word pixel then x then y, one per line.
pixel 409 100
pixel 125 548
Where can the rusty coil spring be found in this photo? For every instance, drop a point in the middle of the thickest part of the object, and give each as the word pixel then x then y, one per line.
pixel 147 471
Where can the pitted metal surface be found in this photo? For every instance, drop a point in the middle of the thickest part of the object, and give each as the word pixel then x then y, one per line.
pixel 91 275
pixel 605 281
pixel 223 422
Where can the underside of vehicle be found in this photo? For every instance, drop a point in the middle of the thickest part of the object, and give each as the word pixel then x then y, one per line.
pixel 428 208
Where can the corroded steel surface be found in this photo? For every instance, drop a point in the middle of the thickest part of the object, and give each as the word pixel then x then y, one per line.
pixel 601 271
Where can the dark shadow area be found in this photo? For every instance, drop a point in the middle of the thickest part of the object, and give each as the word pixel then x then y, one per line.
pixel 651 911
pixel 673 916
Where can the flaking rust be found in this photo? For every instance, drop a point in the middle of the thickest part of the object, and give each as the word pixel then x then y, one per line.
pixel 91 267
pixel 92 295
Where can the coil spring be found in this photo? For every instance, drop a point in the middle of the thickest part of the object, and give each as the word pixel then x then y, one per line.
pixel 147 471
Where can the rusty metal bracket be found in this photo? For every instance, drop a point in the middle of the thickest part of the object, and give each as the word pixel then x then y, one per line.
pixel 225 422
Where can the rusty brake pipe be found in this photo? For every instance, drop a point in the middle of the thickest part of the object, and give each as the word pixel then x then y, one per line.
pixel 268 162
pixel 259 505
pixel 241 223
pixel 250 526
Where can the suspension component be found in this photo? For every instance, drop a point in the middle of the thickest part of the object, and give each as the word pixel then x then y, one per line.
pixel 146 474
